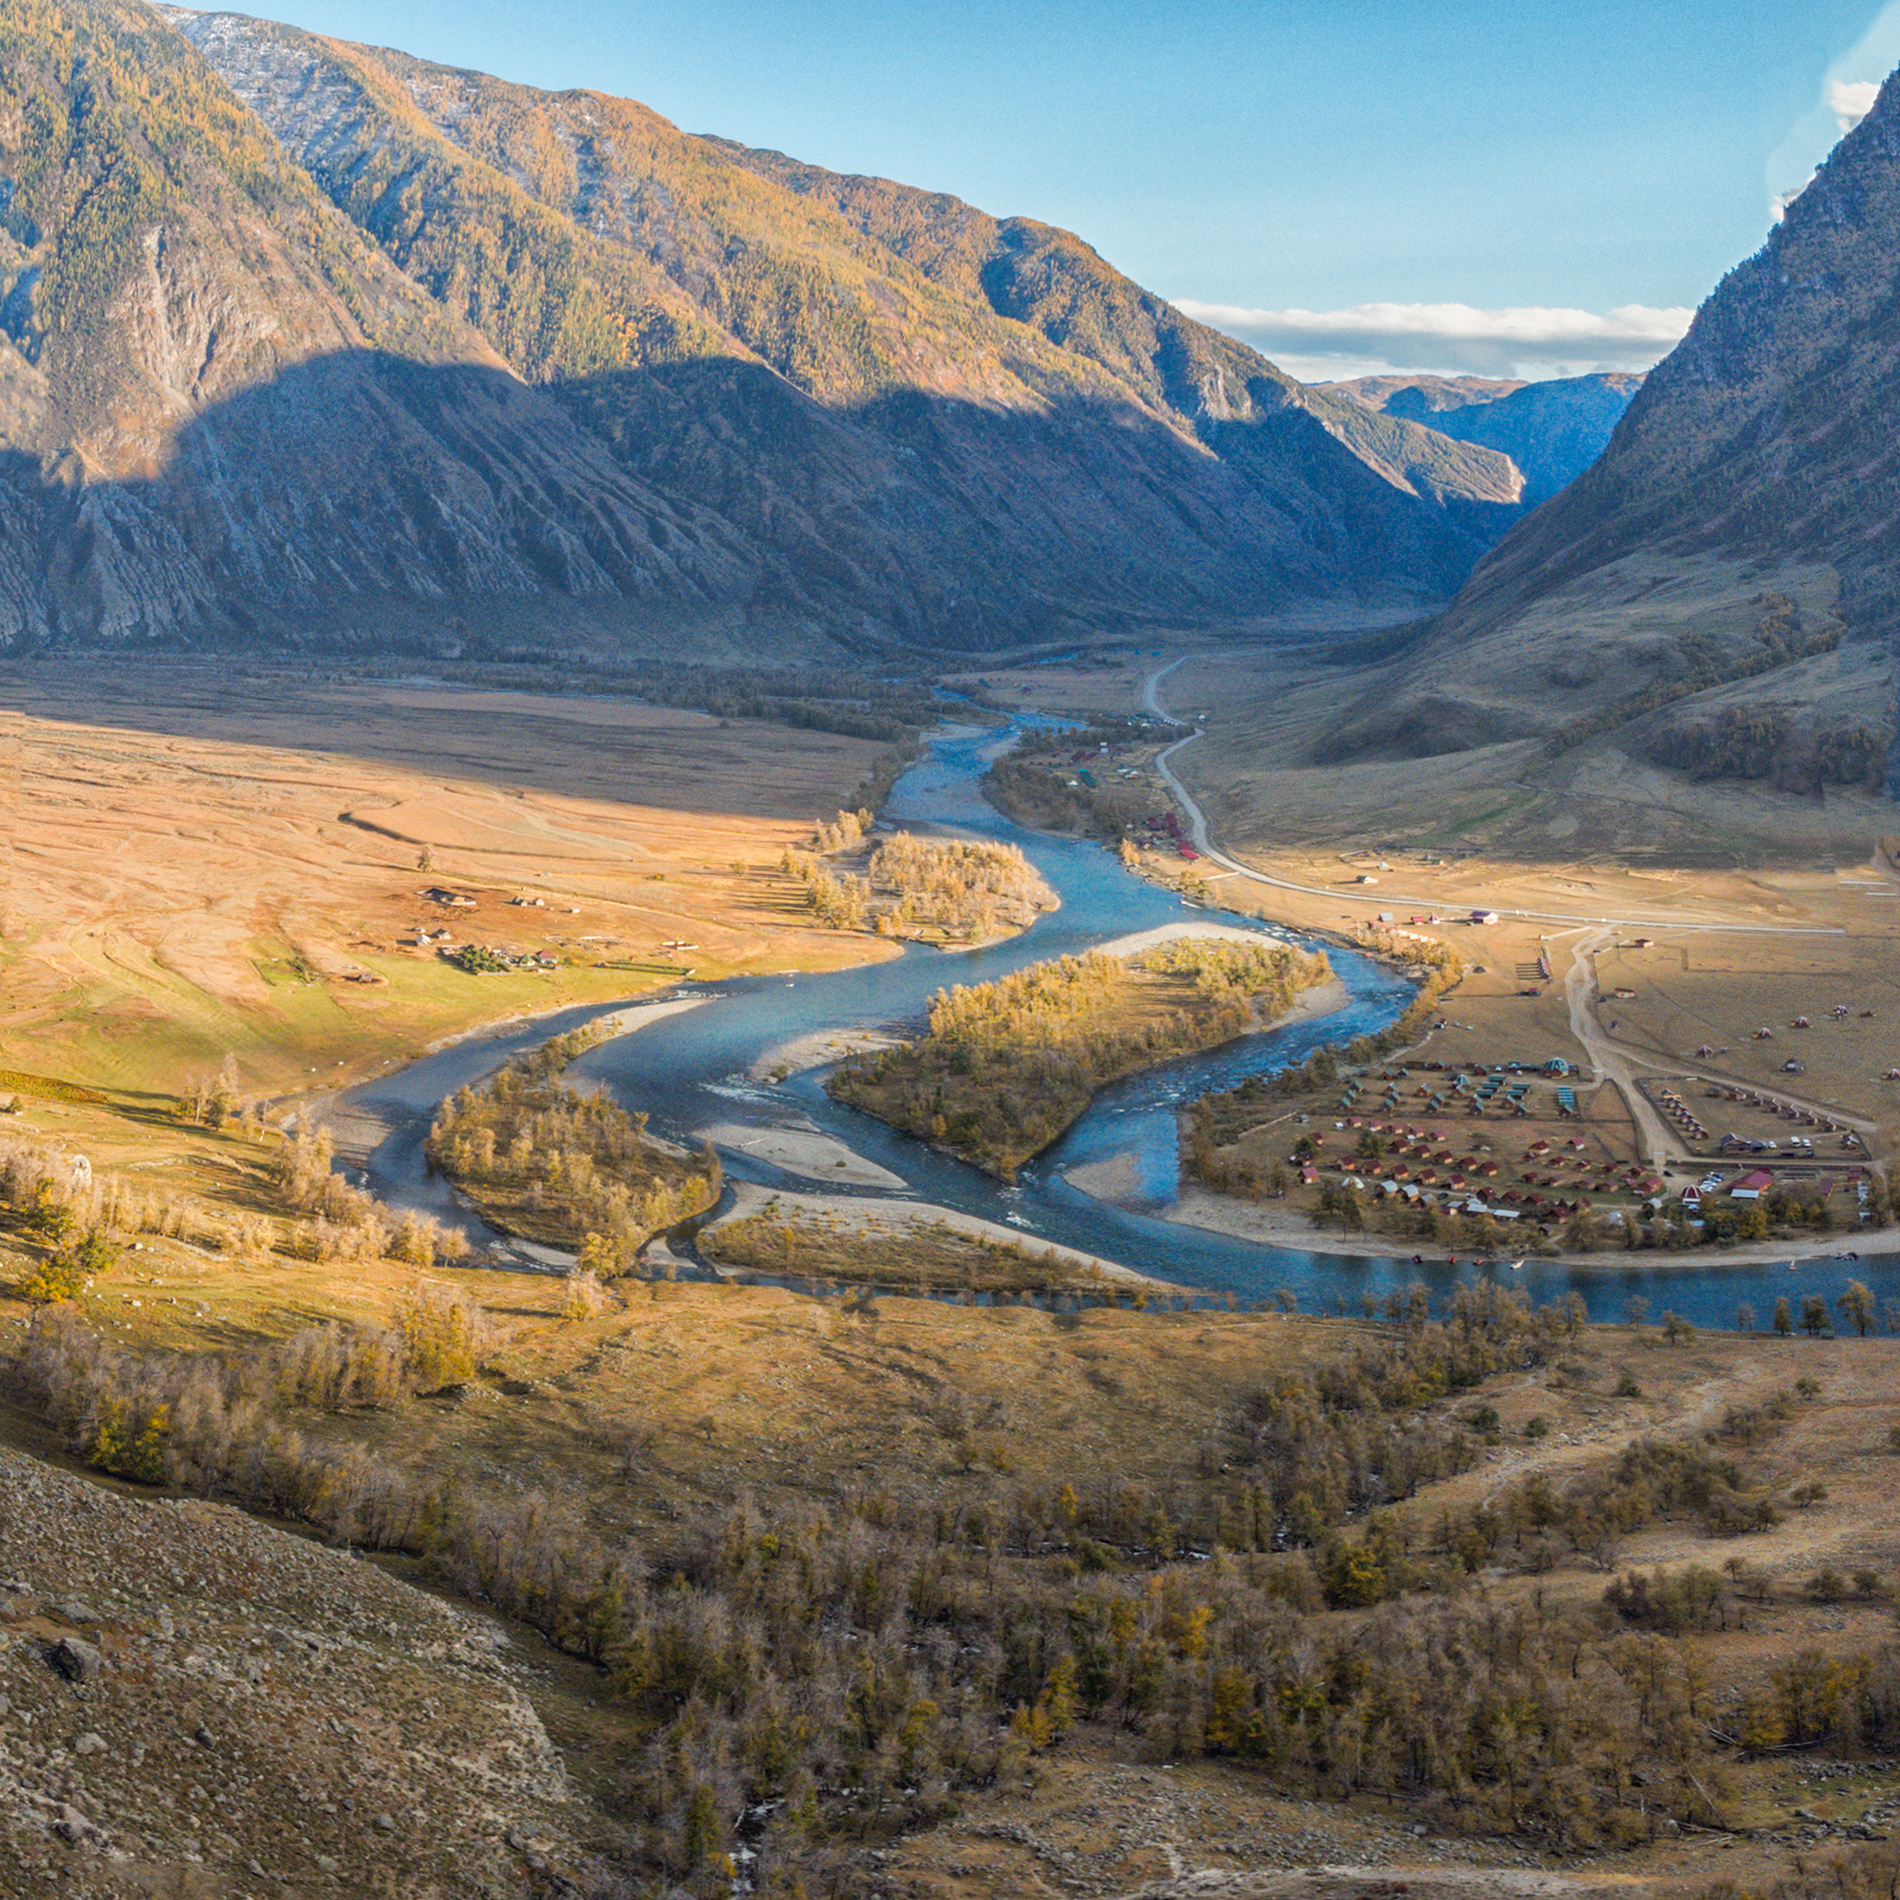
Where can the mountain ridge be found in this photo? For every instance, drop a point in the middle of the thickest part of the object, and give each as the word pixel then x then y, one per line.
pixel 1553 430
pixel 1718 593
pixel 547 368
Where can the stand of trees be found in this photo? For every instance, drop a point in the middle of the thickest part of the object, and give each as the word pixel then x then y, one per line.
pixel 542 1160
pixel 921 888
pixel 1006 1066
pixel 1036 781
pixel 855 1662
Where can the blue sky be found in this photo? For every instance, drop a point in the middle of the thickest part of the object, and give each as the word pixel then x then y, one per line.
pixel 1517 186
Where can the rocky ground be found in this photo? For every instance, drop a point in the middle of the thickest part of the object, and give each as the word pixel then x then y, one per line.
pixel 194 1704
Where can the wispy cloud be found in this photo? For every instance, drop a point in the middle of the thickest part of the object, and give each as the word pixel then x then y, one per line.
pixel 1850 100
pixel 1845 94
pixel 1453 338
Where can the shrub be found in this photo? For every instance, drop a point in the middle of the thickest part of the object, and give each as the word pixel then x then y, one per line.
pixel 53 1280
pixel 582 1296
pixel 67 1274
pixel 442 1331
pixel 129 1446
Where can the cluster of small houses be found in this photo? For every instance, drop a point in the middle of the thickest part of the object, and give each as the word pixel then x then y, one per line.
pixel 1416 1169
pixel 1477 1095
pixel 1680 1113
pixel 1161 830
pixel 1432 917
pixel 1758 1181
pixel 479 957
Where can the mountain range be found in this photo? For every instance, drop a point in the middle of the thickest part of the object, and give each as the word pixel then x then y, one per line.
pixel 1552 430
pixel 309 342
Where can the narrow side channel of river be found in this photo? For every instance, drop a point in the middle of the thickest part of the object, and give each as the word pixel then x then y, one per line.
pixel 692 1072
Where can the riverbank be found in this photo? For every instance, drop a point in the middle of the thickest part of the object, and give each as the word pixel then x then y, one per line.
pixel 815 1050
pixel 896 1219
pixel 1267 1225
pixel 807 1152
pixel 360 1123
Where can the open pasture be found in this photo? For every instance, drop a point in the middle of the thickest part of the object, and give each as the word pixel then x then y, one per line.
pixel 203 863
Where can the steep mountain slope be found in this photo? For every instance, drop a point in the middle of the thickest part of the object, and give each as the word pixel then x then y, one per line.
pixel 1552 430
pixel 220 405
pixel 309 339
pixel 1053 281
pixel 1717 592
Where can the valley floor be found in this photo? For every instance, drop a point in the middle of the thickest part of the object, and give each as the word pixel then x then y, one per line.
pixel 1086 1456
pixel 1718 961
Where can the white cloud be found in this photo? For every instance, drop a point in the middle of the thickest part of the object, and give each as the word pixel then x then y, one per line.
pixel 1453 338
pixel 1850 100
pixel 1845 94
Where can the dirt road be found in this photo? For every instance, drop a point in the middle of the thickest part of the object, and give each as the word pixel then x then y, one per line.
pixel 1204 844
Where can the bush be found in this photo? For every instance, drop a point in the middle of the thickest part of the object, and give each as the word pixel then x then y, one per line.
pixel 129 1446
pixel 53 1280
pixel 582 1295
pixel 69 1272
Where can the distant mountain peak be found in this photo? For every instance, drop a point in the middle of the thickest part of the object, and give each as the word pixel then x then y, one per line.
pixel 1552 430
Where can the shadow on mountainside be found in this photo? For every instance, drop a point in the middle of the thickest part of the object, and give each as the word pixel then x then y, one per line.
pixel 706 510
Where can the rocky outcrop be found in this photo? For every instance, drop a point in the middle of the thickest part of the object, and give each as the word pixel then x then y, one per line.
pixel 193 1703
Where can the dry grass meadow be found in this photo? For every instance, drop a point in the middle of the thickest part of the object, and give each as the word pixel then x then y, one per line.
pixel 201 863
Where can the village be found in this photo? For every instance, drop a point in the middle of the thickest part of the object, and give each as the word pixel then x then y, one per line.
pixel 556 953
pixel 1535 1157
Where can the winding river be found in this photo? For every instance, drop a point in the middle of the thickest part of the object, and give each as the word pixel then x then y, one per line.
pixel 691 1071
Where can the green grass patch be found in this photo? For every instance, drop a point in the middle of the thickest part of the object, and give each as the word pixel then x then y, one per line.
pixel 47 1087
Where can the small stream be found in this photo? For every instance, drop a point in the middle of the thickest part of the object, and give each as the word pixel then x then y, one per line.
pixel 692 1072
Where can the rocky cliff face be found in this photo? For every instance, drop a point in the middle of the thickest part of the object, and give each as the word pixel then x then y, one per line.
pixel 312 341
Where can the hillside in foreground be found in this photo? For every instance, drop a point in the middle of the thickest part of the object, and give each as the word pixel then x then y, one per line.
pixel 890 1595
